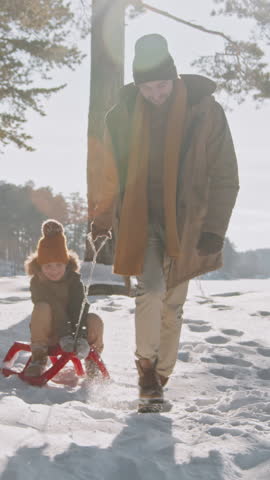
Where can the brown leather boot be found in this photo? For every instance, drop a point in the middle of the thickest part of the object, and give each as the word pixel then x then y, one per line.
pixel 38 361
pixel 163 380
pixel 149 384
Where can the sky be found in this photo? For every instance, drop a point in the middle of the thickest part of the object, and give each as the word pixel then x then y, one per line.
pixel 60 138
pixel 218 426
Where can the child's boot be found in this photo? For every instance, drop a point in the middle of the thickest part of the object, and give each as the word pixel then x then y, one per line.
pixel 91 369
pixel 38 361
pixel 95 340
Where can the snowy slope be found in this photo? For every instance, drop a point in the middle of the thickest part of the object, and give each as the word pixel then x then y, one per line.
pixel 218 429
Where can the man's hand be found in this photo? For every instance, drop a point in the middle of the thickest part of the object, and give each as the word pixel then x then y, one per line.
pixel 209 244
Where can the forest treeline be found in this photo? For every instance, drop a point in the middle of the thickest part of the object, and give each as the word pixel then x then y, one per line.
pixel 23 208
pixel 248 264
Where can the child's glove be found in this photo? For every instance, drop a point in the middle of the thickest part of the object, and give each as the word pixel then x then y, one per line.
pixel 67 343
pixel 82 348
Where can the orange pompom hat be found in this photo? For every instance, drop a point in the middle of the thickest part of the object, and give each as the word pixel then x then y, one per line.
pixel 52 246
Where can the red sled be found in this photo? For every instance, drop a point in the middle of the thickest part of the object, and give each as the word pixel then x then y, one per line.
pixel 59 359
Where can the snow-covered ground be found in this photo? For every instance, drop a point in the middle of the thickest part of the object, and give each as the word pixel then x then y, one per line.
pixel 218 428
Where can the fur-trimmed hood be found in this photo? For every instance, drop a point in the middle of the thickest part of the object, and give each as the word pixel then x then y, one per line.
pixel 32 267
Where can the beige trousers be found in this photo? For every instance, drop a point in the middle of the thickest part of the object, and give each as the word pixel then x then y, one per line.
pixel 42 331
pixel 158 313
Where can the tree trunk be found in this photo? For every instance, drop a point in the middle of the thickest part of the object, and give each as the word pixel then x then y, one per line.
pixel 107 74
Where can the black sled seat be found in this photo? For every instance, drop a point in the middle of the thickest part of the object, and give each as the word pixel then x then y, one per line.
pixel 59 359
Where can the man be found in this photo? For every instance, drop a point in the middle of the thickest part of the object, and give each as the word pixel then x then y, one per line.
pixel 168 186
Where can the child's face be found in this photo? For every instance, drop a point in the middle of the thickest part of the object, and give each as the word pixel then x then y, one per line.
pixel 53 271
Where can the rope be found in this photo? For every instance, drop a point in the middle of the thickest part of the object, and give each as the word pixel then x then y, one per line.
pixel 86 286
pixel 203 294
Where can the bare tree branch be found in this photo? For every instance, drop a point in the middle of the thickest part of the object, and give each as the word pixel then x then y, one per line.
pixel 141 4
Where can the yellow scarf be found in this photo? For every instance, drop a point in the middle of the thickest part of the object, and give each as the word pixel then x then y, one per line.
pixel 132 234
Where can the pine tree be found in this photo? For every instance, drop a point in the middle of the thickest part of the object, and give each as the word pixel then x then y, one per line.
pixel 242 68
pixel 34 39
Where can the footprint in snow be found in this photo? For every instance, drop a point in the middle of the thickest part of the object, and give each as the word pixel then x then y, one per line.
pixel 195 322
pixel 249 343
pixel 225 388
pixel 223 372
pixel 227 294
pixel 227 360
pixel 183 356
pixel 231 331
pixel 264 313
pixel 202 302
pixel 261 313
pixel 217 339
pixel 109 309
pixel 221 307
pixel 265 352
pixel 199 328
pixel 13 300
pixel 264 373
pixel 218 431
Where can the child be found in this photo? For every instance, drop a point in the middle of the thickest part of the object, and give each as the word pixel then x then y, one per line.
pixel 57 294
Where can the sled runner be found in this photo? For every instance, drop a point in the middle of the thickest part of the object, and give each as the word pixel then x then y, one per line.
pixel 59 359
